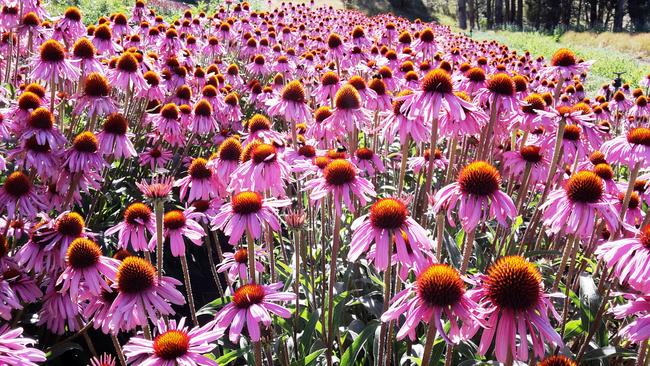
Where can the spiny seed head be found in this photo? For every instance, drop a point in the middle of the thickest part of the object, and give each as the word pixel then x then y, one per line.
pixel 198 169
pixel 73 13
pixel 427 35
pixel 52 51
pixel 248 295
pixel 230 149
pixel 29 100
pixel 437 81
pixel 557 360
pixel 258 122
pixel 17 184
pixel 116 124
pixel 479 178
pixel 245 203
pixel 41 118
pixel 171 345
pixel 307 151
pixel 241 256
pixel 584 187
pixel 388 213
pixel 322 113
pixel 639 136
pixel 378 86
pixel 531 153
pixel 170 111
pixel 264 153
pixel 533 102
pixel 563 57
pixel 137 214
pixel 203 108
pixel 440 285
pixel 334 41
pixel 31 20
pixel 96 85
pixel 513 283
pixel 501 84
pixel 347 97
pixel 174 220
pixel 85 142
pixel 83 253
pixel 329 78
pixel 127 63
pixel 103 32
pixel 135 275
pixel 294 92
pixel 475 74
pixel 339 172
pixel 572 132
pixel 151 78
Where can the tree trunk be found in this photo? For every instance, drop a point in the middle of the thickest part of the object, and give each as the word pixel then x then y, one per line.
pixel 618 15
pixel 488 13
pixel 462 14
pixel 520 14
pixel 506 14
pixel 579 15
pixel 513 11
pixel 471 9
pixel 498 12
pixel 593 14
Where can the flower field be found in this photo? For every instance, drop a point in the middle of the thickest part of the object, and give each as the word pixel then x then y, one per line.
pixel 304 185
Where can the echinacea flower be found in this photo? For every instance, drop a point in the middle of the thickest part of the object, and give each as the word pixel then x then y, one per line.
pixel 18 195
pixel 439 290
pixel 557 360
pixel 84 154
pixel 115 139
pixel 236 264
pixel 95 97
pixel 15 350
pixel 85 266
pixel 478 196
pixel 387 219
pixel 179 225
pixel 200 181
pixel 634 147
pixel 564 64
pixel 51 64
pixel 515 307
pixel 251 305
pixel 246 213
pixel 637 330
pixel 174 344
pixel 629 258
pixel 265 170
pixel 132 231
pixel 141 295
pixel 291 104
pixel 436 91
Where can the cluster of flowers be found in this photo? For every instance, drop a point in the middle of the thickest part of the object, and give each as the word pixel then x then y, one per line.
pixel 269 123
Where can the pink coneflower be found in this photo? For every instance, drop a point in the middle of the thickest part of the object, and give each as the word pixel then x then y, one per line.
pixel 21 284
pixel 639 329
pixel 573 208
pixel 477 191
pixel 438 290
pixel 329 85
pixel 127 74
pixel 367 161
pixel 104 360
pixel 41 125
pixel 154 90
pixel 418 163
pixel 629 257
pixel 51 64
pixel 70 25
pixel 246 213
pixel 515 307
pixel 259 128
pixel 265 170
pixel 18 195
pixel 115 139
pixel 340 179
pixel 398 123
pixel 85 266
pixel 14 348
pixel 96 96
pixel 204 120
pixel 426 43
pixel 564 65
pixel 236 264
pixel 138 220
pixel 97 308
pixel 252 304
pixel 84 154
pixel 500 93
pixel 59 312
pixel 436 91
pixel 226 160
pixel 201 182
pixel 516 163
pixel 634 147
pixel 231 112
pixel 348 112
pixel 174 344
pixel 291 103
pixel 84 52
pixel 180 225
pixel 155 157
pixel 387 220
pixel 103 40
pixel 141 294
pixel 258 66
pixel 335 46
pixel 158 189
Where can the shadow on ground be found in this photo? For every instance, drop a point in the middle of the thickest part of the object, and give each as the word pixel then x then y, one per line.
pixel 410 9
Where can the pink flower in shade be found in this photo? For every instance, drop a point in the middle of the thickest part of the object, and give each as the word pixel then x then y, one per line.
pixel 41 126
pixel 629 258
pixel 291 104
pixel 264 171
pixel 637 330
pixel 236 264
pixel 14 348
pixel 251 305
pixel 104 360
pixel 175 344
pixel 33 255
pixel 96 96
pixel 226 160
pixel 141 294
pixel 439 290
pixel 573 208
pixel 179 225
pixel 51 63
pixel 97 308
pixel 59 312
pixel 84 154
pixel 564 65
pixel 632 148
pixel 18 195
pixel 155 158
pixel 22 284
pixel 114 139
pixel 201 182
pixel 246 213
pixel 387 220
pixel 85 266
pixel 421 163
pixel 634 214
pixel 9 300
pixel 127 74
pixel 514 307
pixel 138 221
pixel 478 196
pixel 515 163
pixel 368 162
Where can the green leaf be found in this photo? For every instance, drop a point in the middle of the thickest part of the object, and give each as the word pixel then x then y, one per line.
pixel 231 356
pixel 352 352
pixel 307 337
pixel 213 306
pixel 607 352
pixel 310 359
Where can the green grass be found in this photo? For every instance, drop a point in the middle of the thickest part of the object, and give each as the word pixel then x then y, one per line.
pixel 607 60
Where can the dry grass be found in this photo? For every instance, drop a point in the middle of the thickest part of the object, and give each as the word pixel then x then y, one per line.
pixel 635 44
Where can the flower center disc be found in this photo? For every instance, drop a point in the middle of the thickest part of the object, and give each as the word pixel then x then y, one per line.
pixel 440 285
pixel 514 283
pixel 585 187
pixel 17 184
pixel 137 212
pixel 479 178
pixel 199 170
pixel 135 275
pixel 347 98
pixel 83 253
pixel 388 213
pixel 171 344
pixel 174 220
pixel 71 224
pixel 339 172
pixel 639 136
pixel 248 295
pixel 245 203
pixel 437 81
